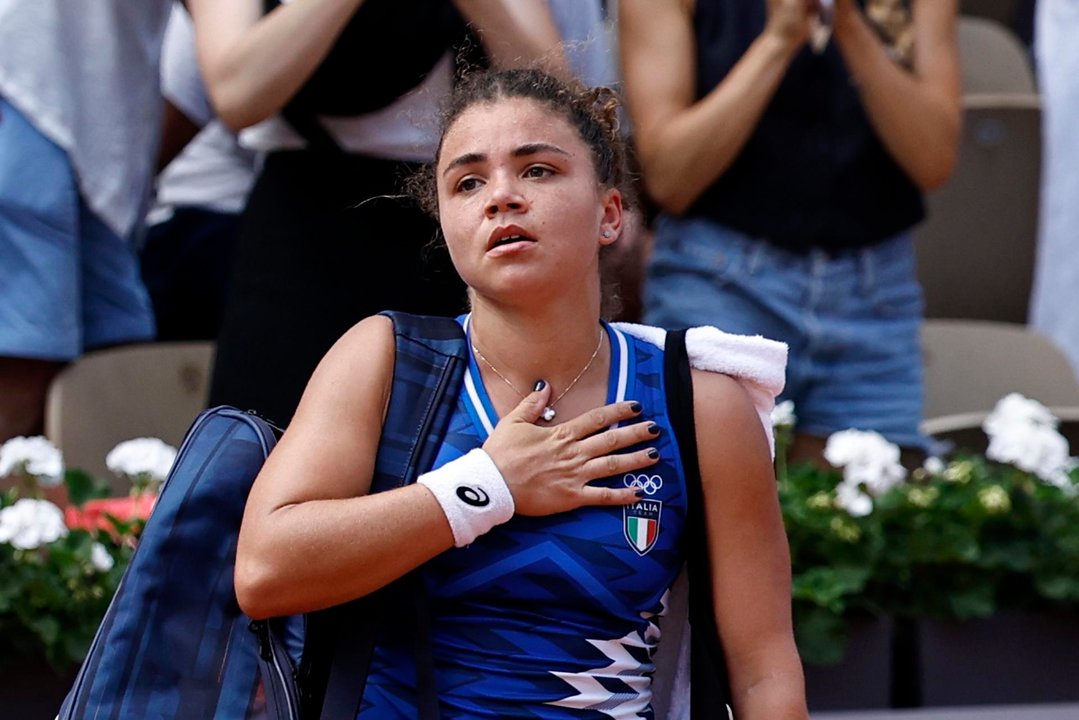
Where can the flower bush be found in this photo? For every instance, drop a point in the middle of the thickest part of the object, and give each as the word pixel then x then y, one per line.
pixel 59 567
pixel 957 538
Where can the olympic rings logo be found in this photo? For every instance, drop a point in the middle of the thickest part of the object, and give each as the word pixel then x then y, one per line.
pixel 651 484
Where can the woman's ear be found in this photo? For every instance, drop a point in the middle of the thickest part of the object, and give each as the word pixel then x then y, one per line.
pixel 610 225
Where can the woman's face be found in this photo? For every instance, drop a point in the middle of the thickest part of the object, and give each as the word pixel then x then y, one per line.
pixel 519 201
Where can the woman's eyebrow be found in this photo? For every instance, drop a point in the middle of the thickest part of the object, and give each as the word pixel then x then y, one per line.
pixel 522 151
pixel 466 159
pixel 538 147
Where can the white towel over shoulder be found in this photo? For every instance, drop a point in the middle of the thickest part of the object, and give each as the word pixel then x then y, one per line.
pixel 758 363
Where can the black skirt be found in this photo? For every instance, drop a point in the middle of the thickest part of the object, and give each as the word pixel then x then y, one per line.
pixel 325 241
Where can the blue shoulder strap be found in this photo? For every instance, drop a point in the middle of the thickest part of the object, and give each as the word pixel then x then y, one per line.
pixel 427 373
pixel 431 358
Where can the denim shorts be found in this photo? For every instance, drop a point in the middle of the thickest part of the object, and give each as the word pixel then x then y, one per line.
pixel 851 320
pixel 67 282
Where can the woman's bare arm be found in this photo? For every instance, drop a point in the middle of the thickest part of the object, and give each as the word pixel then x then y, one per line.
pixel 685 144
pixel 750 558
pixel 253 64
pixel 916 113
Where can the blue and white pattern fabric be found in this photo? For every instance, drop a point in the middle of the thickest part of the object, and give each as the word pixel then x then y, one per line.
pixel 550 617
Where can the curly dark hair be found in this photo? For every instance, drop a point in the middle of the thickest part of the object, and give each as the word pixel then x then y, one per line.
pixel 592 111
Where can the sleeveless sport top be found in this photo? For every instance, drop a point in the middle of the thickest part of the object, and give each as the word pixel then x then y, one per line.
pixel 550 617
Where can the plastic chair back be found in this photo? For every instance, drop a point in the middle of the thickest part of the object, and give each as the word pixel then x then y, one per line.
pixel 977 246
pixel 108 396
pixel 970 365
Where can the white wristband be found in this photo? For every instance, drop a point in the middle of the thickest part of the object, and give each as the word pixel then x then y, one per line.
pixel 472 493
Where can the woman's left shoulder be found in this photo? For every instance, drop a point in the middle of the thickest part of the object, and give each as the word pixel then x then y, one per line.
pixel 725 415
pixel 720 396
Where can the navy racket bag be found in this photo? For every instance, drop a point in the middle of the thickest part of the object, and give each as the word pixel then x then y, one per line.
pixel 174 644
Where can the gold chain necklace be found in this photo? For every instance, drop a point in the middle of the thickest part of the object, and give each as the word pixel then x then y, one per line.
pixel 548 412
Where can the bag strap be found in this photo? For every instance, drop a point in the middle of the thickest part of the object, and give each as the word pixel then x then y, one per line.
pixel 710 686
pixel 431 358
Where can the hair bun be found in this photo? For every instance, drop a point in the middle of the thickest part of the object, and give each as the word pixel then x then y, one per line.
pixel 605 103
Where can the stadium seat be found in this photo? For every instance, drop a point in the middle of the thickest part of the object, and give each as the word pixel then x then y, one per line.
pixel 970 365
pixel 112 395
pixel 992 58
pixel 977 246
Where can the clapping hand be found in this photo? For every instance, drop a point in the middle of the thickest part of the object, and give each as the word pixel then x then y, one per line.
pixel 791 20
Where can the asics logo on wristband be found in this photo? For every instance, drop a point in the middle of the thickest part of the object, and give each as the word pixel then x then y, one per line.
pixel 475 497
pixel 651 484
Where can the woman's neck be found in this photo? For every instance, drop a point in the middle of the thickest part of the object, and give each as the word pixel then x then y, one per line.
pixel 516 348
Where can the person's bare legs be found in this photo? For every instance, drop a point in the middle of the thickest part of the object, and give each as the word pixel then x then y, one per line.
pixel 23 385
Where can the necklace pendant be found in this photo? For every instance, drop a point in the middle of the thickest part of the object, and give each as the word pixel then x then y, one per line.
pixel 548 414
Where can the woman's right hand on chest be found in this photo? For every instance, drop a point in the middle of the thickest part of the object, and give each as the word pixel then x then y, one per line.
pixel 548 469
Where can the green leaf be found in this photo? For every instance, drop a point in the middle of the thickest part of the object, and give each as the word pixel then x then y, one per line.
pixel 47 628
pixel 820 635
pixel 82 486
pixel 1063 588
pixel 827 586
pixel 977 601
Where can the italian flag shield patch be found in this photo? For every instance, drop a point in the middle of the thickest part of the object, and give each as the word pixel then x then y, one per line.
pixel 641 524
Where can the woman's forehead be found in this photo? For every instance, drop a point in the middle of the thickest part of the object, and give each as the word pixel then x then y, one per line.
pixel 504 122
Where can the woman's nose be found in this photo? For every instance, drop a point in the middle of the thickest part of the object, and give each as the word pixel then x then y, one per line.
pixel 505 198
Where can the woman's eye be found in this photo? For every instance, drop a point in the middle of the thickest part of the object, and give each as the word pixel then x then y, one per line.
pixel 538 171
pixel 468 184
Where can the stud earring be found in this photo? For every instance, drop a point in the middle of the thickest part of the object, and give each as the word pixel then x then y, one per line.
pixel 606 233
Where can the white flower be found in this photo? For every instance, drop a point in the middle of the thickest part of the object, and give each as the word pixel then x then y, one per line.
pixel 867 459
pixel 783 414
pixel 995 500
pixel 1033 447
pixel 100 558
pixel 922 497
pixel 847 531
pixel 31 523
pixel 142 457
pixel 819 501
pixel 853 499
pixel 34 456
pixel 1015 410
pixel 959 472
pixel 933 465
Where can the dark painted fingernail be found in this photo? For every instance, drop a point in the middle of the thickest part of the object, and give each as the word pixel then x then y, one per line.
pixel 639 493
pixel 653 429
pixel 653 453
pixel 540 384
pixel 635 406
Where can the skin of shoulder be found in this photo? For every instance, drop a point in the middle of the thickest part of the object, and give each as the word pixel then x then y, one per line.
pixel 749 554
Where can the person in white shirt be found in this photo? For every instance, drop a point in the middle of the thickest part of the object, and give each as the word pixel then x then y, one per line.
pixel 79 121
